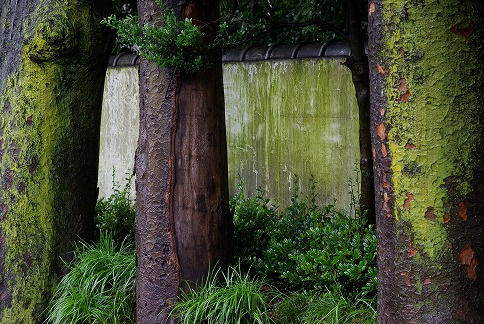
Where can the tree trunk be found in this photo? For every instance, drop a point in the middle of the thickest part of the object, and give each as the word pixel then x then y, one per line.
pixel 52 69
pixel 183 226
pixel 358 64
pixel 427 81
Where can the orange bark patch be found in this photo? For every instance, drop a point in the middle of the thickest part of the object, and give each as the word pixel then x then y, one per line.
pixel 371 8
pixel 466 31
pixel 405 276
pixel 410 146
pixel 404 97
pixel 386 208
pixel 471 271
pixel 430 215
pixel 373 153
pixel 380 130
pixel 411 250
pixel 446 218
pixel 387 185
pixel 380 69
pixel 427 281
pixel 466 255
pixel 384 151
pixel 462 211
pixel 468 260
pixel 410 198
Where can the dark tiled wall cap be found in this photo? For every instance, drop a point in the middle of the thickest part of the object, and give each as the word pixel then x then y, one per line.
pixel 257 53
pixel 287 51
pixel 123 59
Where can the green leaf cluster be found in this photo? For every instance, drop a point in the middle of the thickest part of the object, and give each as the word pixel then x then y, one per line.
pixel 177 43
pixel 116 213
pixel 305 246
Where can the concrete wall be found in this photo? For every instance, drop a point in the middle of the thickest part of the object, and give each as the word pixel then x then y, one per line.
pixel 119 127
pixel 288 118
pixel 284 118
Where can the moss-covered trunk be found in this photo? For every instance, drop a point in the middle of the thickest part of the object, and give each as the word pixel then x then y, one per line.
pixel 183 225
pixel 427 133
pixel 52 68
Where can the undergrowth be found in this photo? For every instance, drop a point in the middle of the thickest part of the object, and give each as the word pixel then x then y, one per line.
pixel 99 287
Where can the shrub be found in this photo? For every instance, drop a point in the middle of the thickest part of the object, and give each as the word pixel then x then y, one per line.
pixel 235 299
pixel 252 218
pixel 116 213
pixel 99 287
pixel 306 247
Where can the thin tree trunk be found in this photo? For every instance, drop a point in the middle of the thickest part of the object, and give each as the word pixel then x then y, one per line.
pixel 183 226
pixel 426 67
pixel 358 64
pixel 52 69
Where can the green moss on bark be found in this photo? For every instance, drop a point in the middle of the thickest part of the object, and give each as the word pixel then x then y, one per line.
pixel 49 121
pixel 432 134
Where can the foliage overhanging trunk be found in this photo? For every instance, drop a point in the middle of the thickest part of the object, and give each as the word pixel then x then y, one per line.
pixel 183 226
pixel 427 81
pixel 52 68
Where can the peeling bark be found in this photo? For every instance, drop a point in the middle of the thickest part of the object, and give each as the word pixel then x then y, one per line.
pixel 426 71
pixel 183 226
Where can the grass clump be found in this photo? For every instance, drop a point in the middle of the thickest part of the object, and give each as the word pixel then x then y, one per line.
pixel 234 298
pixel 99 287
pixel 331 307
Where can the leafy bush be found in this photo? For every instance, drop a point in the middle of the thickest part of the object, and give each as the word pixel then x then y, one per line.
pixel 177 43
pixel 116 213
pixel 99 287
pixel 252 216
pixel 235 299
pixel 306 247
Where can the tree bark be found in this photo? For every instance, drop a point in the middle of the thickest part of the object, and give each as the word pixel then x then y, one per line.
pixel 53 62
pixel 357 62
pixel 183 226
pixel 426 71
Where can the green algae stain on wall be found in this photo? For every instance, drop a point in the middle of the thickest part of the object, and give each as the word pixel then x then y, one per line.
pixel 292 118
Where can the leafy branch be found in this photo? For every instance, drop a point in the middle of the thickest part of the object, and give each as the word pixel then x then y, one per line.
pixel 178 43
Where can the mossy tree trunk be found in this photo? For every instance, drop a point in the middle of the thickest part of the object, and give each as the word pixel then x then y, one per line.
pixel 52 67
pixel 426 63
pixel 183 226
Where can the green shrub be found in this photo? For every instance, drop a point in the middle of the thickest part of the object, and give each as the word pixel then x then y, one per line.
pixel 235 299
pixel 252 217
pixel 99 287
pixel 116 213
pixel 306 247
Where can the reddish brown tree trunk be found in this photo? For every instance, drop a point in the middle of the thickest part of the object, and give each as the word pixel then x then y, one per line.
pixel 426 64
pixel 183 226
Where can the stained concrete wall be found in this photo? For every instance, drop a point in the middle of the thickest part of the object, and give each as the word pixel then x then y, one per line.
pixel 288 118
pixel 119 128
pixel 284 118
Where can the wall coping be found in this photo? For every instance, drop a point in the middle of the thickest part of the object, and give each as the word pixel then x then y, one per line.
pixel 279 51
